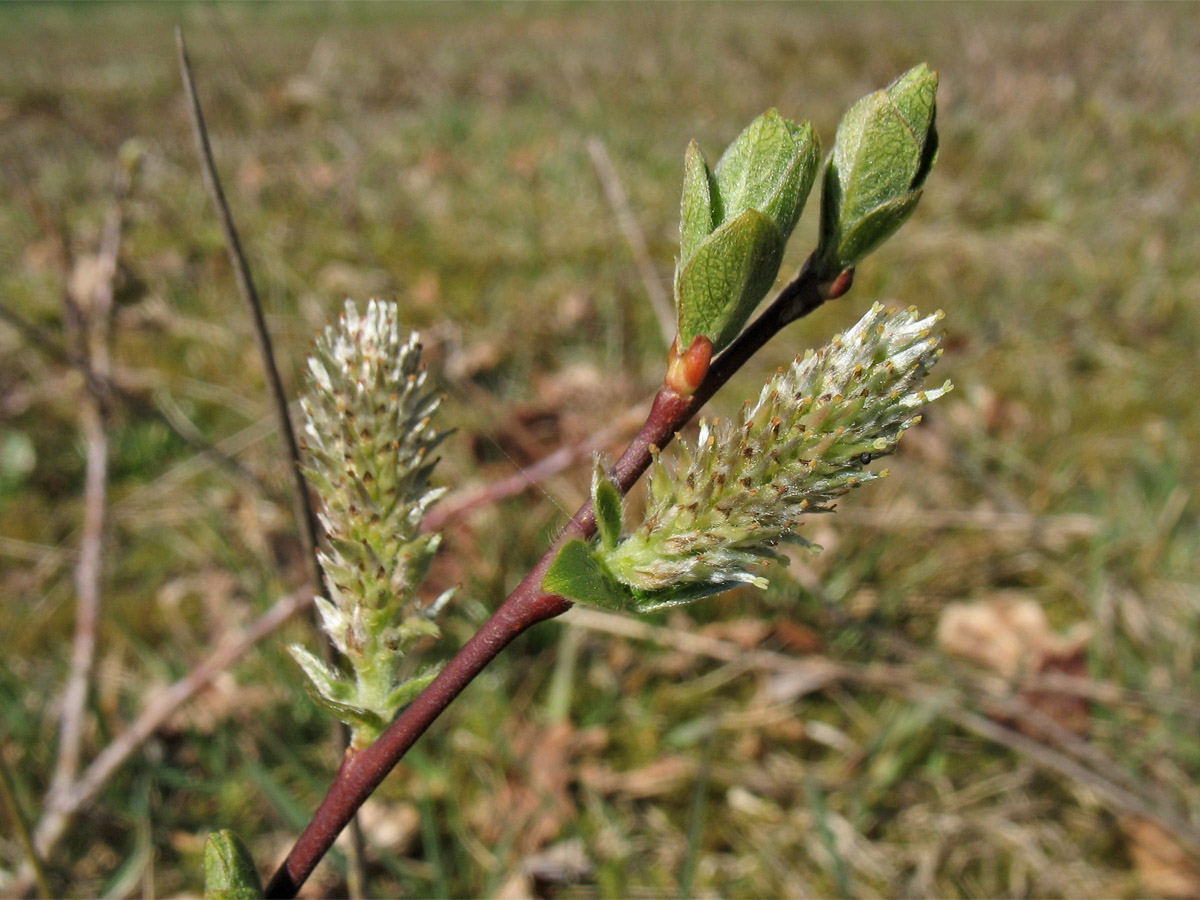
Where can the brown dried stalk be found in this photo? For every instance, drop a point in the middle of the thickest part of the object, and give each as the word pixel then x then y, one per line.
pixel 83 790
pixel 614 192
pixel 88 310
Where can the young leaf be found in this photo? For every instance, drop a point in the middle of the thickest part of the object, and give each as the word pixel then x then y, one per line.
pixel 696 219
pixel 229 872
pixel 606 501
pixel 730 273
pixel 885 148
pixel 325 680
pixel 735 221
pixel 405 691
pixel 653 601
pixel 365 724
pixel 877 226
pixel 577 575
pixel 770 167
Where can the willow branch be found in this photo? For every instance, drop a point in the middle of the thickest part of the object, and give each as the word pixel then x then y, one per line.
pixel 360 773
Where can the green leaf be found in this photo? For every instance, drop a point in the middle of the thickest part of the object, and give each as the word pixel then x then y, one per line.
pixel 877 226
pixel 606 501
pixel 580 575
pixel 796 180
pixel 730 273
pixel 406 691
pixel 653 601
pixel 885 148
pixel 577 575
pixel 415 627
pixel 229 872
pixel 769 167
pixel 327 681
pixel 365 724
pixel 734 222
pixel 696 219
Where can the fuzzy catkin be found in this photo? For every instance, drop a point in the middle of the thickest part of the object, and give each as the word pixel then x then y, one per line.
pixel 742 487
pixel 369 439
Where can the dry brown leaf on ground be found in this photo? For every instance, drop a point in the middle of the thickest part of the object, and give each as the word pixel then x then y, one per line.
pixel 796 638
pixel 391 826
pixel 544 873
pixel 663 776
pixel 1163 865
pixel 1009 633
pixel 744 633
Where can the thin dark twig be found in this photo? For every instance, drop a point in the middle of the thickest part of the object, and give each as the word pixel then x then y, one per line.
pixel 237 259
pixel 305 513
pixel 362 772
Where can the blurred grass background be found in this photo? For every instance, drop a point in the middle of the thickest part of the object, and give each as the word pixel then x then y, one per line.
pixel 438 155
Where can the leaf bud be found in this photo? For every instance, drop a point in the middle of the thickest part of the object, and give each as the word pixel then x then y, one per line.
pixel 734 222
pixel 686 369
pixel 884 150
pixel 229 872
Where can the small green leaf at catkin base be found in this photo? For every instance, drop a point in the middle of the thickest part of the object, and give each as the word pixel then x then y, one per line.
pixel 229 872
pixel 577 575
pixel 606 501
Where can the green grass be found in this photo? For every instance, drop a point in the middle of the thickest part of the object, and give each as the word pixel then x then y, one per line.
pixel 437 155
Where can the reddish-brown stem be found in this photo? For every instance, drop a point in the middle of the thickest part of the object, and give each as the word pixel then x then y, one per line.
pixel 360 773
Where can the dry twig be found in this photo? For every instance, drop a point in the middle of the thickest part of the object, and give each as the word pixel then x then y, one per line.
pixel 20 825
pixel 305 513
pixel 55 819
pixel 463 501
pixel 88 302
pixel 1117 797
pixel 614 192
pixel 184 430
